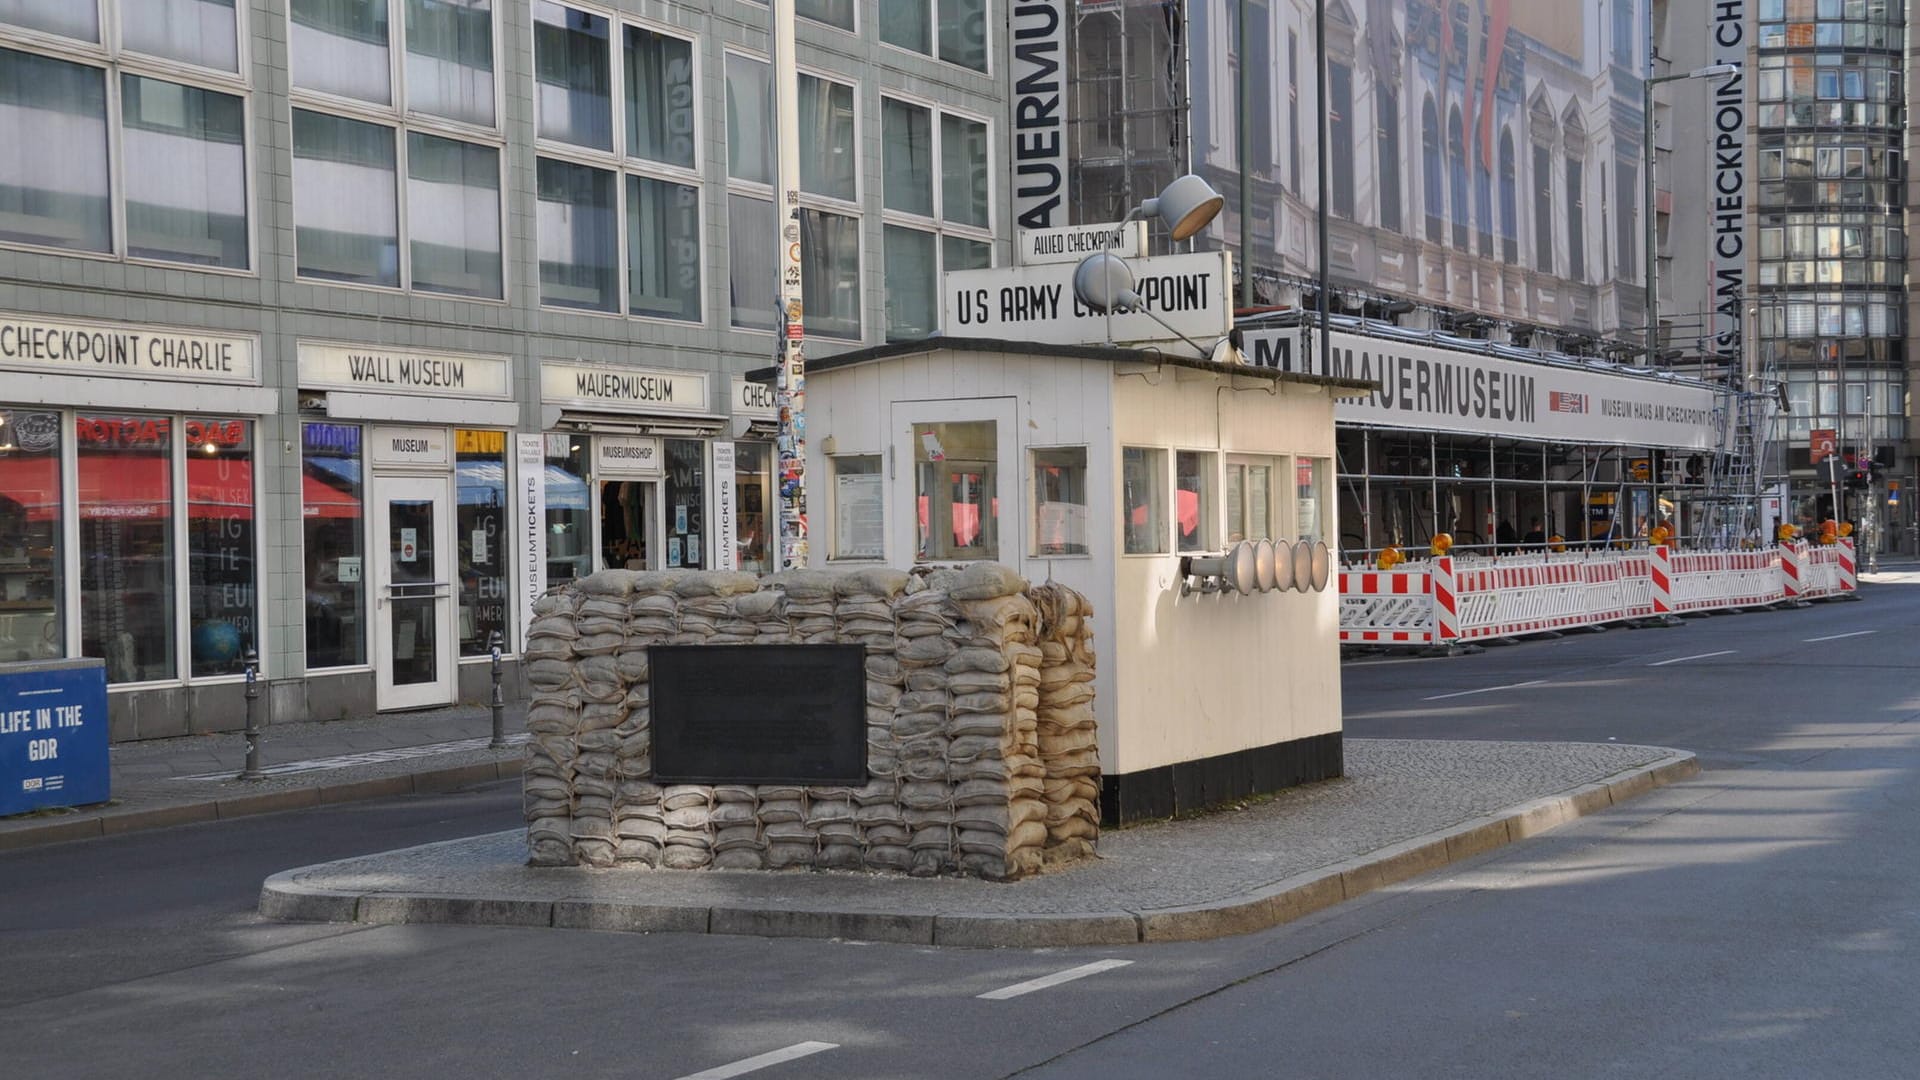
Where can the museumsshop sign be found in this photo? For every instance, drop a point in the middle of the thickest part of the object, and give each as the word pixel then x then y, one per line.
pixel 1036 303
pixel 1434 389
pixel 67 347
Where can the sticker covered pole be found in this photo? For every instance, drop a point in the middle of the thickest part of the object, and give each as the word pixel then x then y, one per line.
pixel 790 386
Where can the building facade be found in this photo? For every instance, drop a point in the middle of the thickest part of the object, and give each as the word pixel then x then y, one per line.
pixel 333 329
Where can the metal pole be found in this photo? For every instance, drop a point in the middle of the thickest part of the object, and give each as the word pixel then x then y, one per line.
pixel 251 660
pixel 499 702
pixel 1246 169
pixel 790 384
pixel 1648 237
pixel 1320 102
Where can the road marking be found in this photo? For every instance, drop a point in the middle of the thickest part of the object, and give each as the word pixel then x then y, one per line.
pixel 761 1061
pixel 370 757
pixel 1702 656
pixel 1484 690
pixel 1837 637
pixel 1054 979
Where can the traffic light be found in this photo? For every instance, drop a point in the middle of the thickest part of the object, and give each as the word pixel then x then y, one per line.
pixel 1856 475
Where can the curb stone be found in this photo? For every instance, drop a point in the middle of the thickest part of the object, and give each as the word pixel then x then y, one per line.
pixel 283 896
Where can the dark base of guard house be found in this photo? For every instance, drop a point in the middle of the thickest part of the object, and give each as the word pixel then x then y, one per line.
pixel 1188 786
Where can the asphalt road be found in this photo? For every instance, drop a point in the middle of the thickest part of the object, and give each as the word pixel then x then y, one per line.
pixel 1758 921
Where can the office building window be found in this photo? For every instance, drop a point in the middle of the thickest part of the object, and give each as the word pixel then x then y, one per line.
pixel 906 155
pixel 918 176
pixel 1576 220
pixel 58 200
pixel 64 17
pixel 830 255
pixel 453 216
pixel 751 240
pixel 346 213
pixel 1432 188
pixel 749 119
pixel 1387 151
pixel 340 47
pixel 1542 208
pixel 578 237
pixel 1509 203
pixel 198 32
pixel 952 30
pixel 659 94
pixel 573 75
pixel 912 276
pixel 450 59
pixel 1340 130
pixel 827 159
pixel 1457 175
pixel 663 249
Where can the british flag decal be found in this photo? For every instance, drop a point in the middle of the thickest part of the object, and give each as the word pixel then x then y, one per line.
pixel 1561 401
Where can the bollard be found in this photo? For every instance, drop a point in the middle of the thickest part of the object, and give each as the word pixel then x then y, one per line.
pixel 252 662
pixel 499 702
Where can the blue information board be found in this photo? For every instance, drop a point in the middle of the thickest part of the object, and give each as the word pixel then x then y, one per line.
pixel 53 735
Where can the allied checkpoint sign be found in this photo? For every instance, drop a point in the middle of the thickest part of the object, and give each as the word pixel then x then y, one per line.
pixel 53 735
pixel 1191 293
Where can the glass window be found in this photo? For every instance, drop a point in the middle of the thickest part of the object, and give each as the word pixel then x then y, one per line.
pixel 331 505
pixel 832 12
pixel 71 18
pixel 827 138
pixel 220 544
pixel 1309 503
pixel 960 253
pixel 453 216
pixel 686 496
pixel 59 200
pixel 573 75
pixel 345 201
pixel 749 120
pixel 659 97
pixel 579 261
pixel 127 601
pixel 830 252
pixel 859 501
pixel 963 170
pixel 450 59
pixel 750 268
pixel 1249 499
pixel 955 485
pixel 963 32
pixel 569 510
pixel 340 47
pixel 199 32
pixel 753 506
pixel 663 249
pixel 186 168
pixel 1143 500
pixel 906 157
pixel 908 24
pixel 912 283
pixel 1060 501
pixel 1194 499
pixel 480 529
pixel 32 560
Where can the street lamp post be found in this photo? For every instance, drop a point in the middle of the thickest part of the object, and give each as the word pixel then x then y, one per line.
pixel 1712 71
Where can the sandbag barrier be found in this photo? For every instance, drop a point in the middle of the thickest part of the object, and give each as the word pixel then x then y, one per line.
pixel 982 752
pixel 1449 599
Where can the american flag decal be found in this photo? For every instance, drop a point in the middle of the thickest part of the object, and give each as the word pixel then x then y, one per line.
pixel 1560 401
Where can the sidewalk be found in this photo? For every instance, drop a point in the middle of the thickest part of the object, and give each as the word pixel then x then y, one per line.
pixel 175 781
pixel 1406 807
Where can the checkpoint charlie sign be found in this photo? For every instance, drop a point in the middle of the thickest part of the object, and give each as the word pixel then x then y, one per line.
pixel 1036 303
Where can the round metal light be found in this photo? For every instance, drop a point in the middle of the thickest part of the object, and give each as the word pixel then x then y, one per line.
pixel 1302 566
pixel 1186 206
pixel 1263 569
pixel 1104 282
pixel 1241 573
pixel 1282 565
pixel 1322 566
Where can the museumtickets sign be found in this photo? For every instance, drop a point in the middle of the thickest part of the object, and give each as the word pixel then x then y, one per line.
pixel 1433 389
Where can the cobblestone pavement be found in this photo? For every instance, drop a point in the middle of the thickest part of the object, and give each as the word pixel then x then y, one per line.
pixel 1395 790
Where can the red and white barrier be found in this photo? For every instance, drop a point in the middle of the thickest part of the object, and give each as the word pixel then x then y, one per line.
pixel 1450 599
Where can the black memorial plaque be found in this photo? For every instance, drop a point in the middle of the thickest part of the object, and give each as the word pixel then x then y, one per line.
pixel 759 714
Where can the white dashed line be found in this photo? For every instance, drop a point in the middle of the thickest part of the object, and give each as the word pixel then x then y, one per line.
pixel 1054 979
pixel 1702 656
pixel 1484 690
pixel 761 1061
pixel 1837 637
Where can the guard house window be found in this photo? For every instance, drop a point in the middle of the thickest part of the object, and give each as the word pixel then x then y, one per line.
pixel 859 501
pixel 1309 502
pixel 1194 498
pixel 334 548
pixel 1143 500
pixel 1060 501
pixel 127 580
pixel 1249 499
pixel 951 30
pixel 956 490
pixel 220 543
pixel 32 536
pixel 480 529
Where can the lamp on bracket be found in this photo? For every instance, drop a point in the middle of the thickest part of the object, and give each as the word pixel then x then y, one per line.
pixel 1105 282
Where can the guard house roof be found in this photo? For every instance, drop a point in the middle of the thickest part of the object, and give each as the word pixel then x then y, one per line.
pixel 1112 354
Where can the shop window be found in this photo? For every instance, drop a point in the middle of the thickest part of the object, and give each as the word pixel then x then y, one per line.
pixel 1309 502
pixel 340 47
pixel 1060 501
pixel 859 500
pixel 569 510
pixel 56 200
pixel 573 75
pixel 32 561
pixel 663 249
pixel 453 216
pixel 686 506
pixel 751 239
pixel 346 212
pixel 480 526
pixel 450 59
pixel 331 509
pixel 659 96
pixel 956 490
pixel 579 264
pixel 1143 502
pixel 127 600
pixel 753 506
pixel 1249 499
pixel 1194 498
pixel 221 542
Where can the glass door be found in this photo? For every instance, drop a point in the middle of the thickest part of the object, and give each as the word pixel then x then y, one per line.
pixel 630 533
pixel 414 637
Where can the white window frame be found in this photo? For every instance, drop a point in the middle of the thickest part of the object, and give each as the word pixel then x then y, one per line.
pixel 1032 484
pixel 832 504
pixel 1212 508
pixel 936 223
pixel 109 57
pixel 401 119
pixel 621 163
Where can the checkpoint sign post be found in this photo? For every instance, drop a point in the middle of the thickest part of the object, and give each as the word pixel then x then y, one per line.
pixel 53 735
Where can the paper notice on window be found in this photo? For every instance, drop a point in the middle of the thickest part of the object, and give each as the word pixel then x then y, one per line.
pixel 347 569
pixel 479 545
pixel 1309 517
pixel 409 545
pixel 859 531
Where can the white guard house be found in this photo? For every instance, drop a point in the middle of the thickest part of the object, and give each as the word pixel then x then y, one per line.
pixel 1112 470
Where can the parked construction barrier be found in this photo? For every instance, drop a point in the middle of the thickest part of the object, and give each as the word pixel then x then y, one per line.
pixel 1448 599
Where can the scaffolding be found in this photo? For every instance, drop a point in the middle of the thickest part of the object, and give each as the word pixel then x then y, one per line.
pixel 1127 113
